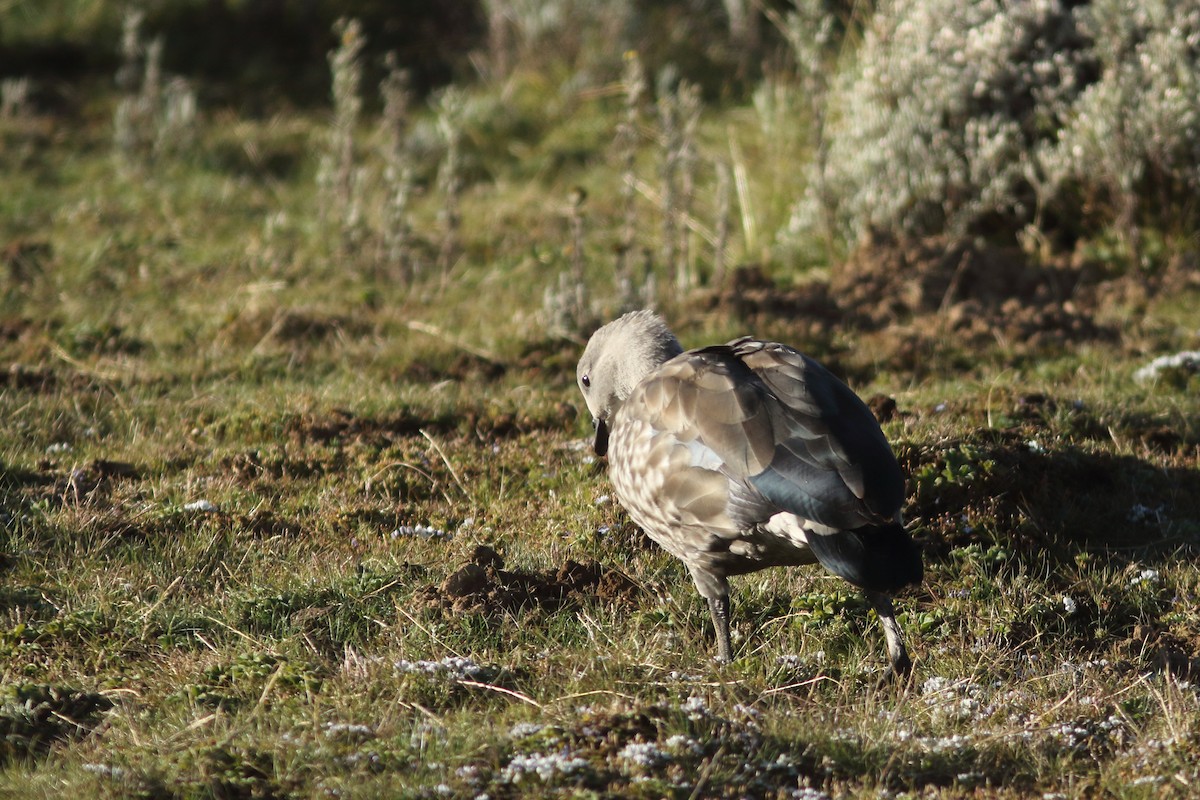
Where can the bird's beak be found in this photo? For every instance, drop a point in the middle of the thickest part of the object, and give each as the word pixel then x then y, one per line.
pixel 601 437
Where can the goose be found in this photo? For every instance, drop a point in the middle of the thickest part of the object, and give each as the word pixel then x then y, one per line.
pixel 748 455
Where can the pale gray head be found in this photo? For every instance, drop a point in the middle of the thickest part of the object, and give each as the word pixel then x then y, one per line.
pixel 616 359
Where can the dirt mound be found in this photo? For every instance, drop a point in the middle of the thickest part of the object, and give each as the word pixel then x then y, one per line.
pixel 484 585
pixel 467 367
pixel 927 293
pixel 25 259
pixel 42 379
pixel 486 422
pixel 883 282
pixel 749 292
pixel 345 426
pixel 292 328
pixel 750 296
pixel 974 292
pixel 883 407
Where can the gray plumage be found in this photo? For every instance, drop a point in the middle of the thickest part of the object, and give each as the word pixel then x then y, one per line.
pixel 744 456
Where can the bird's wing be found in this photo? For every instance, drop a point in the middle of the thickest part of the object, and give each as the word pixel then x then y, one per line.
pixel 829 462
pixel 686 430
pixel 781 430
pixel 710 398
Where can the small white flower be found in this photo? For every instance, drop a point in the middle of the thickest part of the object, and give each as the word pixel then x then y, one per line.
pixel 450 666
pixel 523 729
pixel 203 506
pixel 348 729
pixel 1146 576
pixel 681 742
pixel 544 767
pixel 695 706
pixel 935 685
pixel 807 793
pixel 422 532
pixel 1188 361
pixel 646 755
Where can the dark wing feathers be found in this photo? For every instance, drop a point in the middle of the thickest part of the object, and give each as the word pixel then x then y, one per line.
pixel 880 558
pixel 781 423
pixel 832 463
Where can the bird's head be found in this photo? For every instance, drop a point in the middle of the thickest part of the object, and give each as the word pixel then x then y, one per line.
pixel 617 358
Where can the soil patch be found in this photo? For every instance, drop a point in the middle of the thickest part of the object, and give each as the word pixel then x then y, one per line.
pixel 26 259
pixel 344 426
pixel 550 361
pixel 883 407
pixel 749 294
pixel 252 466
pixel 294 329
pixel 483 423
pixel 484 585
pixel 490 425
pixel 464 367
pixel 85 484
pixel 973 295
pixel 887 281
pixel 44 380
pixel 931 293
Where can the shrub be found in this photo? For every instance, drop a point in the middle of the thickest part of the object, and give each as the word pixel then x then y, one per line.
pixel 931 128
pixel 1131 146
pixel 985 116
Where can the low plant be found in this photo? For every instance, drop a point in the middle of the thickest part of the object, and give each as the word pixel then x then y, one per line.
pixel 340 180
pixel 156 114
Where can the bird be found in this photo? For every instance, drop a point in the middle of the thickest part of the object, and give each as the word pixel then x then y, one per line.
pixel 748 455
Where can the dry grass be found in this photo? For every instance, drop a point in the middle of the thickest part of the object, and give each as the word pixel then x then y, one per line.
pixel 244 477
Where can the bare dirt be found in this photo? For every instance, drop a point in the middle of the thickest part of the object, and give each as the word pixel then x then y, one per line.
pixel 917 302
pixel 345 426
pixel 484 585
pixel 483 422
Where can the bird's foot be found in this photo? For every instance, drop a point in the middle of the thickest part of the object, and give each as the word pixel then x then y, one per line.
pixel 898 675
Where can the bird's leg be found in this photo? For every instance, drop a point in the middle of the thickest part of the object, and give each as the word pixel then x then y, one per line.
pixel 719 608
pixel 715 589
pixel 897 653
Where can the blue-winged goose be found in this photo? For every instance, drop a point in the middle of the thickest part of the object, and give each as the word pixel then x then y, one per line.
pixel 744 456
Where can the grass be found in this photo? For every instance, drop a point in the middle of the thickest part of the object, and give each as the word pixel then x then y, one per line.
pixel 224 425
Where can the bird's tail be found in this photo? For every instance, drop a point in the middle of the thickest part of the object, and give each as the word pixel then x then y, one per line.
pixel 881 558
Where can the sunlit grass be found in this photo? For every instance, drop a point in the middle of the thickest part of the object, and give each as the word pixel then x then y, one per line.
pixel 229 433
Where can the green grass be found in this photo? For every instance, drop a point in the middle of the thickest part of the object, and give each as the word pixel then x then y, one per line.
pixel 163 344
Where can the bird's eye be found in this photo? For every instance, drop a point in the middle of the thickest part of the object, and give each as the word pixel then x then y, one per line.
pixel 586 381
